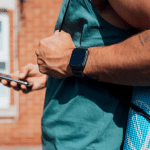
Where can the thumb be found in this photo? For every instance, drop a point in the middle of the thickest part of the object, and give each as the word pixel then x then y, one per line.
pixel 57 32
pixel 24 71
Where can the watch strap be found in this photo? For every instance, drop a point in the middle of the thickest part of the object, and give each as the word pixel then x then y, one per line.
pixel 78 60
pixel 77 72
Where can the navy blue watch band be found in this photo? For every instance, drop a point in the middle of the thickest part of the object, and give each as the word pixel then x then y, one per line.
pixel 78 60
pixel 78 73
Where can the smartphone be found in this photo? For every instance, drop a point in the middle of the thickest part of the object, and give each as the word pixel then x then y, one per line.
pixel 8 78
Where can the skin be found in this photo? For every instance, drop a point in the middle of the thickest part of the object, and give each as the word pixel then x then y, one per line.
pixel 29 73
pixel 136 13
pixel 53 55
pixel 126 63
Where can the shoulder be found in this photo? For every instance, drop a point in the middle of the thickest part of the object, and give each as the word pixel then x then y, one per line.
pixel 134 12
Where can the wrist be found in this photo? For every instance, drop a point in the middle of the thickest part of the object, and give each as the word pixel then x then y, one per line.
pixel 90 64
pixel 96 63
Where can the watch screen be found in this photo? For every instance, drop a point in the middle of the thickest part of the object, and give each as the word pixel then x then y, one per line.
pixel 78 58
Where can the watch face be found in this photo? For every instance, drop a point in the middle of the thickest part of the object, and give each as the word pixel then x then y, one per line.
pixel 78 58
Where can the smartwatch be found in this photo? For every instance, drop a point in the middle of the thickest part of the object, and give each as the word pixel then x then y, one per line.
pixel 78 60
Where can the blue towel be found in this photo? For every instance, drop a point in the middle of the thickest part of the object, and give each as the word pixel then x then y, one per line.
pixel 138 128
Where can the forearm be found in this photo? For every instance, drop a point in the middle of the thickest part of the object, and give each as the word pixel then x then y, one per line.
pixel 126 63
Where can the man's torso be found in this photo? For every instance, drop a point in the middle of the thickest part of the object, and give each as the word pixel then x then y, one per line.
pixel 82 114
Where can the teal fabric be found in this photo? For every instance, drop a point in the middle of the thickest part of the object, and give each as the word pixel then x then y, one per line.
pixel 83 114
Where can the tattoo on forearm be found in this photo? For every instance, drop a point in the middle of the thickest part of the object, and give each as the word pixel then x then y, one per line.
pixel 94 77
pixel 141 41
pixel 145 38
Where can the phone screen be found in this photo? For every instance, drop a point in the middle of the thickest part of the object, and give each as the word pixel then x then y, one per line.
pixel 9 78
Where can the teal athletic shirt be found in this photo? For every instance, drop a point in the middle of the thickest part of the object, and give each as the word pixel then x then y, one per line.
pixel 83 114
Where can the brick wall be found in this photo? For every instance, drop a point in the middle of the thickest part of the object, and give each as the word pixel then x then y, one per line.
pixel 40 18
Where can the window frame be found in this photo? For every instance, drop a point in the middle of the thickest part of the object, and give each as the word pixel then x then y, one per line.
pixel 5 57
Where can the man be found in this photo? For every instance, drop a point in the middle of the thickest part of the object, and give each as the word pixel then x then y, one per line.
pixel 82 109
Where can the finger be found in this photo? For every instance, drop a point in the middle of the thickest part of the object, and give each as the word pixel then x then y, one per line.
pixel 37 52
pixel 56 32
pixel 24 71
pixel 40 61
pixel 4 82
pixel 23 87
pixel 17 88
pixel 25 91
pixel 14 75
pixel 13 84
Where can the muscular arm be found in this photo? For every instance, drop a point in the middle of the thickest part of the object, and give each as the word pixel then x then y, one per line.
pixel 126 63
pixel 134 12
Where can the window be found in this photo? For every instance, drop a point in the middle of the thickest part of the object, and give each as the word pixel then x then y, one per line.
pixel 1 36
pixel 4 58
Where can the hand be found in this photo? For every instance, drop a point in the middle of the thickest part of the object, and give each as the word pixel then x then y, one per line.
pixel 53 55
pixel 29 73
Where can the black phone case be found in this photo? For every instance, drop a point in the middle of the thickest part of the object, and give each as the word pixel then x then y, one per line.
pixel 8 78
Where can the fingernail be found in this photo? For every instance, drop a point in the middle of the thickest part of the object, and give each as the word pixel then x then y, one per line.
pixel 57 31
pixel 21 75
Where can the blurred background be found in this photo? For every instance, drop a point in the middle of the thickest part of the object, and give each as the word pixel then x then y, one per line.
pixel 23 23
